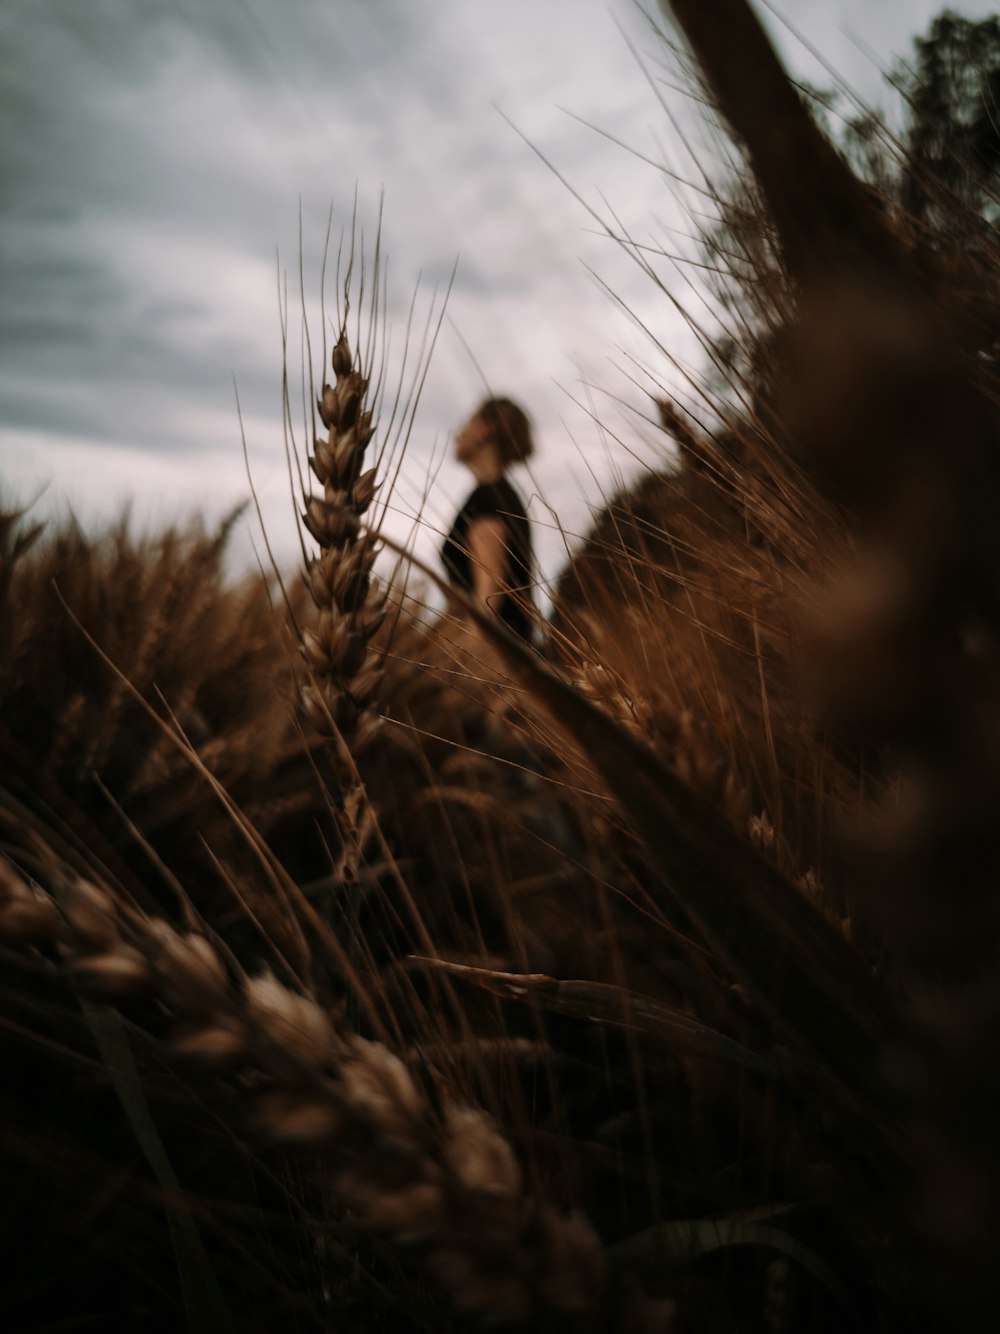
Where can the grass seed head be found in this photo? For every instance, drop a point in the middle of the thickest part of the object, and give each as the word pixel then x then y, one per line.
pixel 479 1158
pixel 220 1046
pixel 91 914
pixel 294 1023
pixel 113 975
pixel 192 973
pixel 297 1119
pixel 410 1212
pixel 377 1086
pixel 26 917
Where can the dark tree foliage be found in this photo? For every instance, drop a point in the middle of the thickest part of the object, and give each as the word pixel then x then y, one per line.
pixel 952 138
pixel 937 177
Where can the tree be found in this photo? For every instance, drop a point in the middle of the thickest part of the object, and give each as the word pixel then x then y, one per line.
pixel 952 138
pixel 937 178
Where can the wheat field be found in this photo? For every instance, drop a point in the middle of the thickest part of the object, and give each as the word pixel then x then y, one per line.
pixel 370 971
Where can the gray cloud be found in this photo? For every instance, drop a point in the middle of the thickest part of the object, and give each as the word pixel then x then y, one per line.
pixel 152 160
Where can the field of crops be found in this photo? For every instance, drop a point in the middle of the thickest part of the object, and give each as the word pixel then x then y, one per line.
pixel 365 971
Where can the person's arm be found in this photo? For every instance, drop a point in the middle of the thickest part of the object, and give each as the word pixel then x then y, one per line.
pixel 487 543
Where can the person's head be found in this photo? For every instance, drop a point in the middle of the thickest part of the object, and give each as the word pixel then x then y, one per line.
pixel 498 431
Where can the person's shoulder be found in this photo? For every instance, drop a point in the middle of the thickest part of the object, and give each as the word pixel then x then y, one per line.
pixel 498 497
pixel 488 498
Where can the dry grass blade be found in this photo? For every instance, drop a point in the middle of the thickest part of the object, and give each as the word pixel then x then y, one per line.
pixel 660 1025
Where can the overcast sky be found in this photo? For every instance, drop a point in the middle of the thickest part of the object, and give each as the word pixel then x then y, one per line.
pixel 154 157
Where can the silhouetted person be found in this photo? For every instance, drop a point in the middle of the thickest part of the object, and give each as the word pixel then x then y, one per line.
pixel 488 552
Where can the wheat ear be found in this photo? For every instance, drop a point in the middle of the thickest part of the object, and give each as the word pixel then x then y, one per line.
pixel 446 1183
pixel 345 671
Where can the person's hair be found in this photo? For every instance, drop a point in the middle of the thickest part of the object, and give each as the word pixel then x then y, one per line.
pixel 511 428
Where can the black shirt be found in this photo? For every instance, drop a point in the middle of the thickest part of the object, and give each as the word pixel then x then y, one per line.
pixel 496 500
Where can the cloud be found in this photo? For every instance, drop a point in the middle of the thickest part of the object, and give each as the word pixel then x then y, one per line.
pixel 155 159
